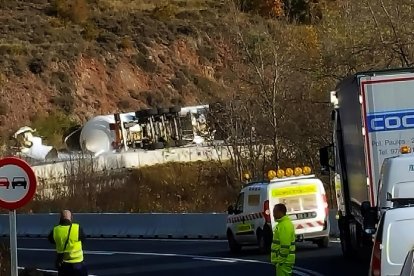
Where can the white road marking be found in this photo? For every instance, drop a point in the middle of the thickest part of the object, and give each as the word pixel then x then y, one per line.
pixel 297 270
pixel 300 273
pixel 50 271
pixel 163 240
pixel 86 252
pixel 146 239
pixel 215 260
pixel 310 272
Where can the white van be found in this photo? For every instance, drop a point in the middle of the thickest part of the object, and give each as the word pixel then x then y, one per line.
pixel 393 240
pixel 250 221
pixel 396 178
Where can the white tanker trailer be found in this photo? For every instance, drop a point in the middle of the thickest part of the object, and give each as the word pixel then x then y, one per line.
pixel 98 135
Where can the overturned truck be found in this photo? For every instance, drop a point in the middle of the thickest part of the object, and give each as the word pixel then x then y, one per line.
pixel 150 129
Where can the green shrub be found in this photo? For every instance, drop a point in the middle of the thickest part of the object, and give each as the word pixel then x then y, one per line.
pixel 12 49
pixel 90 32
pixel 207 86
pixel 65 102
pixel 126 43
pixel 52 127
pixel 165 12
pixel 36 65
pixel 76 11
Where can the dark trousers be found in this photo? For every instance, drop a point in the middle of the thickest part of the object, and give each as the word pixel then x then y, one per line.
pixel 77 269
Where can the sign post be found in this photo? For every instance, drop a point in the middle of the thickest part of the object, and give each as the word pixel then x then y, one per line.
pixel 17 187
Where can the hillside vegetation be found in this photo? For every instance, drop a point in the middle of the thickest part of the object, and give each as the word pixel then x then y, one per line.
pixel 87 57
pixel 64 61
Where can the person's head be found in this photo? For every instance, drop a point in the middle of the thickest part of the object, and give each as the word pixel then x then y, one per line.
pixel 279 211
pixel 65 215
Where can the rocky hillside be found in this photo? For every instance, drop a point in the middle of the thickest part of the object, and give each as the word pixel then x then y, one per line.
pixel 93 57
pixel 63 61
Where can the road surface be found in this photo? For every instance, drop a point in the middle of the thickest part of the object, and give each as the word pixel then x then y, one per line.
pixel 173 257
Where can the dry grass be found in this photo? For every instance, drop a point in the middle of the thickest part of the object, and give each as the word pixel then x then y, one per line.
pixel 172 187
pixel 128 6
pixel 4 258
pixel 149 5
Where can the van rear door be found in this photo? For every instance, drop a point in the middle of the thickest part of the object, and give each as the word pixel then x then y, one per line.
pixel 398 239
pixel 304 200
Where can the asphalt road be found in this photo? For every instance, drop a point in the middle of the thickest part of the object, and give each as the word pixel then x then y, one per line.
pixel 171 257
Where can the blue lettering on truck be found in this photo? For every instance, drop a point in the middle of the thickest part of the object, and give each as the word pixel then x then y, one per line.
pixel 397 120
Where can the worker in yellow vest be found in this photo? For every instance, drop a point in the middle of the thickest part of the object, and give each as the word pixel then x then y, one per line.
pixel 68 238
pixel 283 245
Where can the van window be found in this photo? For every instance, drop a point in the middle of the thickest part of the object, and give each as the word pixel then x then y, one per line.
pixel 403 190
pixel 253 200
pixel 240 202
pixel 300 203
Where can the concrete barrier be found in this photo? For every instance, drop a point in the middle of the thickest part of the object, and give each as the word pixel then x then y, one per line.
pixel 123 225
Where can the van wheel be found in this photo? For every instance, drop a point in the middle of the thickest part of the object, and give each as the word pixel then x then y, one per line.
pixel 323 243
pixel 233 245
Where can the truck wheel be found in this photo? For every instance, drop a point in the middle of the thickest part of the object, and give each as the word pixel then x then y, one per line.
pixel 171 144
pixel 180 143
pixel 145 113
pixel 175 109
pixel 157 145
pixel 323 243
pixel 233 245
pixel 346 245
pixel 162 111
pixel 150 112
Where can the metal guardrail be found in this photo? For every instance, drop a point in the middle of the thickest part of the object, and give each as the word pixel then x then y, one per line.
pixel 124 225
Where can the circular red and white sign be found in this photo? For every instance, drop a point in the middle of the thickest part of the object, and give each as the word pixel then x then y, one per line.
pixel 17 183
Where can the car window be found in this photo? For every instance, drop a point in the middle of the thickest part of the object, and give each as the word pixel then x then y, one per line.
pixel 240 202
pixel 253 200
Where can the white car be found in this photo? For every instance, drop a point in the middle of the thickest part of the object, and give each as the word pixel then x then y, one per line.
pixel 394 238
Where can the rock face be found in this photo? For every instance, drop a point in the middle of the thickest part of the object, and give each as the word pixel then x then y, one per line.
pixel 85 58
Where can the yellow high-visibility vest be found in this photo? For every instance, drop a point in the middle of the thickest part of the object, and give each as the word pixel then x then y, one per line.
pixel 283 245
pixel 73 252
